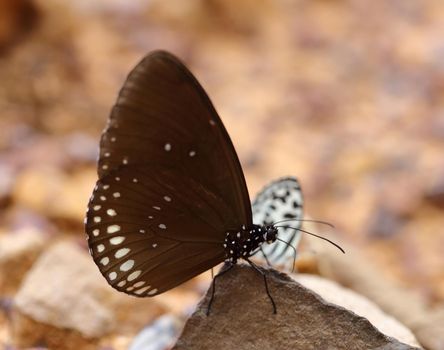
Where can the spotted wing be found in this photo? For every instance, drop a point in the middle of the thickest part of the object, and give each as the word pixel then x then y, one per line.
pixel 280 200
pixel 170 183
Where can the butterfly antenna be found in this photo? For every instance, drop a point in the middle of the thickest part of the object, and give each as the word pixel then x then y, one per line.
pixel 305 220
pixel 315 235
pixel 294 250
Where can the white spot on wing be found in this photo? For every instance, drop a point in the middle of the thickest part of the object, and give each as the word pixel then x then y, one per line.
pixel 152 292
pixel 116 240
pixel 167 147
pixel 141 290
pixel 132 276
pixel 121 252
pixel 111 212
pixel 127 265
pixel 112 276
pixel 113 228
pixel 121 283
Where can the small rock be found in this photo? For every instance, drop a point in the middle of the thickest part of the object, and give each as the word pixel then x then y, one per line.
pixel 435 193
pixel 50 191
pixel 64 296
pixel 241 318
pixel 384 223
pixel 18 251
pixel 159 335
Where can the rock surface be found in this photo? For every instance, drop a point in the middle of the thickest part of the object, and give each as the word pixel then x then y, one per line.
pixel 18 251
pixel 355 271
pixel 64 297
pixel 333 293
pixel 241 318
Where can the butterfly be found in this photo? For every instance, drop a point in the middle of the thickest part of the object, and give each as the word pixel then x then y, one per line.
pixel 171 199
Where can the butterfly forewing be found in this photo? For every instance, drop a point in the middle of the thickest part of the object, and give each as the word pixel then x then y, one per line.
pixel 170 183
pixel 163 115
pixel 280 200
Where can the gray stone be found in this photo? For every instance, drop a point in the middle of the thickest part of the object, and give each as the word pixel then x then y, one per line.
pixel 241 318
pixel 66 304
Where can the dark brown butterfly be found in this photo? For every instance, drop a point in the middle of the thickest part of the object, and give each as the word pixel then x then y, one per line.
pixel 170 184
pixel 171 201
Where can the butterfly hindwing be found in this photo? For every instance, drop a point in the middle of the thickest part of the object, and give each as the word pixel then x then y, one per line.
pixel 280 200
pixel 170 183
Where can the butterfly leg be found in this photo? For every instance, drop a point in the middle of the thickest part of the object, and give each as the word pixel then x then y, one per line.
pixel 265 257
pixel 213 285
pixel 253 265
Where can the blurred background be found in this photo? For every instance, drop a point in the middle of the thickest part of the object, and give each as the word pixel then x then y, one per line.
pixel 347 95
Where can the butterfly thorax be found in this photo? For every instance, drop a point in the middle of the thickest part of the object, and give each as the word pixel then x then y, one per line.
pixel 247 241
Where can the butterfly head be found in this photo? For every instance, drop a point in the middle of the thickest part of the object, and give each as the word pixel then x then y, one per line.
pixel 270 234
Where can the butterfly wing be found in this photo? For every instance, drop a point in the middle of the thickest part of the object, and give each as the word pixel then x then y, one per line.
pixel 170 183
pixel 280 200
